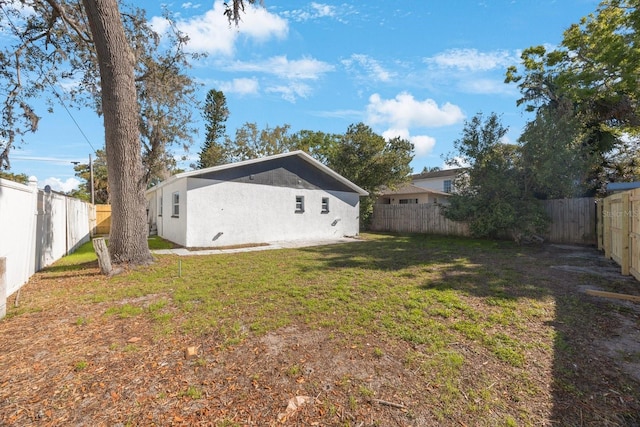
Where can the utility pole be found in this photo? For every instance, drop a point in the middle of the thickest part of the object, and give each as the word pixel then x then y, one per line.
pixel 91 174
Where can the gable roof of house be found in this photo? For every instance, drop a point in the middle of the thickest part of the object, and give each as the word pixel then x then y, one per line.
pixel 437 174
pixel 300 154
pixel 413 189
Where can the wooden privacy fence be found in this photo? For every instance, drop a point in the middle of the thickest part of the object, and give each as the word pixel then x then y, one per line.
pixel 572 220
pixel 103 219
pixel 619 234
pixel 420 218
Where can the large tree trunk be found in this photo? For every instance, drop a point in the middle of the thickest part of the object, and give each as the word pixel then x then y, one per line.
pixel 128 238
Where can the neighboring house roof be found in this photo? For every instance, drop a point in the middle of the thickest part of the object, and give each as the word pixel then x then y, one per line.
pixel 437 174
pixel 301 154
pixel 412 189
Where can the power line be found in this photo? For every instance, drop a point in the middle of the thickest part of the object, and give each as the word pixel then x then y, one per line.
pixel 46 159
pixel 71 115
pixel 46 79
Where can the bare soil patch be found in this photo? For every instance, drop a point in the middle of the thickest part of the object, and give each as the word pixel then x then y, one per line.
pixel 64 362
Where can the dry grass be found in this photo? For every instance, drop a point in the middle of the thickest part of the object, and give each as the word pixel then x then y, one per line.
pixel 397 330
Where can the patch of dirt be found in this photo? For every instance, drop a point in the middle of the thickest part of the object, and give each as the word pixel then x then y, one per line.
pixel 72 365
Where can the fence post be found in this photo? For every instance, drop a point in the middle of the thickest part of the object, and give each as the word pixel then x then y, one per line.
pixel 606 224
pixel 3 287
pixel 599 224
pixel 626 219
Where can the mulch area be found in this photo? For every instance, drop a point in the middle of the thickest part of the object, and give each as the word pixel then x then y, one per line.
pixel 71 365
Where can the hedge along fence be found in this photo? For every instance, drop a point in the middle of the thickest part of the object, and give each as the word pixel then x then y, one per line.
pixel 573 221
pixel 619 233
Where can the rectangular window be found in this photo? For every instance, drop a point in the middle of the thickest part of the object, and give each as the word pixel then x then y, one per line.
pixel 299 204
pixel 325 205
pixel 160 207
pixel 175 198
pixel 408 201
pixel 447 186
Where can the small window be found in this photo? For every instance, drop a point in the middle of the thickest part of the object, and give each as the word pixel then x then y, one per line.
pixel 408 201
pixel 447 186
pixel 160 207
pixel 299 204
pixel 325 205
pixel 176 205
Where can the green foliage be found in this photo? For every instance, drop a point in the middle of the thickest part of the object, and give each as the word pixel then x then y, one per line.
pixel 165 93
pixel 17 177
pixel 100 183
pixel 215 114
pixel 555 162
pixel 252 142
pixel 492 196
pixel 371 162
pixel 590 83
pixel 319 145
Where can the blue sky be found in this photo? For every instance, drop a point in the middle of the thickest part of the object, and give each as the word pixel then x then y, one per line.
pixel 413 68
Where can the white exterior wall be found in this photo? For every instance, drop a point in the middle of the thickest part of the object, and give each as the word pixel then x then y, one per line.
pixel 434 183
pixel 152 209
pixel 170 227
pixel 229 213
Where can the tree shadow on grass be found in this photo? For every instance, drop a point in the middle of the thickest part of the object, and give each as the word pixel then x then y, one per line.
pixel 60 268
pixel 588 384
pixel 397 252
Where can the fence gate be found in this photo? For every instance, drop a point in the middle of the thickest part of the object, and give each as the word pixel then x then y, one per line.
pixel 616 230
pixel 103 219
pixel 634 233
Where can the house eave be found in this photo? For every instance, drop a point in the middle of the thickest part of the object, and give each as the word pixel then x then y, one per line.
pixel 304 156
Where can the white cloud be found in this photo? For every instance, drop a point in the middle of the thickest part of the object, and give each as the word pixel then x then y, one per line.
pixel 299 69
pixel 422 144
pixel 372 70
pixel 393 133
pixel 189 5
pixel 240 86
pixel 473 60
pixel 292 91
pixel 320 11
pixel 488 87
pixel 404 111
pixel 341 114
pixel 57 184
pixel 323 10
pixel 211 32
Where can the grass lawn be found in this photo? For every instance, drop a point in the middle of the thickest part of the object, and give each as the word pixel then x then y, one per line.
pixel 397 330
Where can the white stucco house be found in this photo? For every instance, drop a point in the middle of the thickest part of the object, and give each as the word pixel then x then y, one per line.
pixel 442 180
pixel 424 188
pixel 411 194
pixel 285 197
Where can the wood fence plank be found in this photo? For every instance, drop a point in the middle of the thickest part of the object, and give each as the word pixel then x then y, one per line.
pixel 573 220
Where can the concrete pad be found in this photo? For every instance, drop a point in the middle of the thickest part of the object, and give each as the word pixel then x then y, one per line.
pixel 268 246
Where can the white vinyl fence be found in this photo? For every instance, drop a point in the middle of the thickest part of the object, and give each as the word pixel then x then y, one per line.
pixel 36 229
